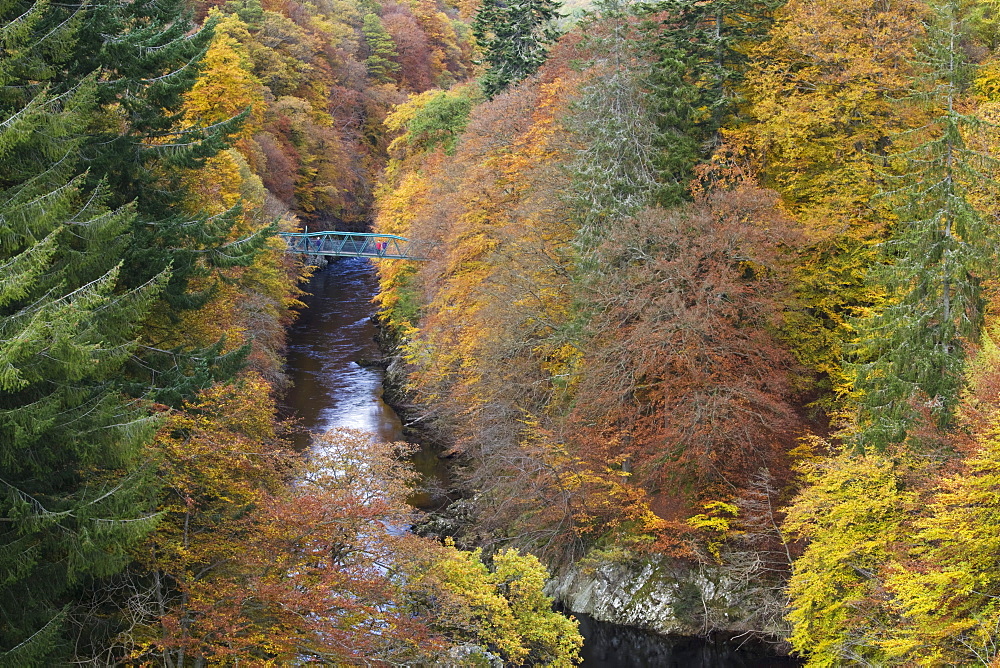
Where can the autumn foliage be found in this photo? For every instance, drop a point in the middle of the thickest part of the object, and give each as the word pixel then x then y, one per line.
pixel 684 364
pixel 265 557
pixel 716 282
pixel 651 326
pixel 585 383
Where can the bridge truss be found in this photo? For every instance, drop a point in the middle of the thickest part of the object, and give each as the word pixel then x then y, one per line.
pixel 353 244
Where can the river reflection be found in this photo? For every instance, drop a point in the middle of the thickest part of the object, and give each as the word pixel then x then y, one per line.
pixel 614 646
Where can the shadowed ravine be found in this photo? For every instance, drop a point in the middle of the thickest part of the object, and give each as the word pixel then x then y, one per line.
pixel 330 389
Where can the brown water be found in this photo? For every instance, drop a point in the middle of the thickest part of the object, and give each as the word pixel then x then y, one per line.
pixel 332 386
pixel 331 389
pixel 331 336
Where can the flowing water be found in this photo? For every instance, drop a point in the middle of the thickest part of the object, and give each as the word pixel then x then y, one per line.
pixel 331 389
pixel 328 340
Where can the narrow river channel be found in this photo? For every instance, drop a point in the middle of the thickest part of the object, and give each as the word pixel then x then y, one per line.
pixel 330 389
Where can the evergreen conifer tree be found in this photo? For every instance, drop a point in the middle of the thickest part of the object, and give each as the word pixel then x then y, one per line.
pixel 138 144
pixel 73 496
pixel 616 172
pixel 698 62
pixel 92 242
pixel 381 50
pixel 514 36
pixel 911 353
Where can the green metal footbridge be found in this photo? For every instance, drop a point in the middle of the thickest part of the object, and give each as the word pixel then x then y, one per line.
pixel 354 244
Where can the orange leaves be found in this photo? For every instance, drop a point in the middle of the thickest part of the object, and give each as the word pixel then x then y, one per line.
pixel 217 458
pixel 681 365
pixel 268 573
pixel 323 571
pixel 498 224
pixel 249 303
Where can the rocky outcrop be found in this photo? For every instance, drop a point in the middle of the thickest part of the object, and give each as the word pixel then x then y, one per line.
pixel 673 597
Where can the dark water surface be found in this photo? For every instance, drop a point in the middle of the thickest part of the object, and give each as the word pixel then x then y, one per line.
pixel 613 646
pixel 330 389
pixel 335 332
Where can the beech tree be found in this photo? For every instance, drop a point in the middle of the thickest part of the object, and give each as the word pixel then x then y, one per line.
pixel 821 95
pixel 944 581
pixel 852 512
pixel 681 372
pixel 254 571
pixel 496 605
pixel 413 47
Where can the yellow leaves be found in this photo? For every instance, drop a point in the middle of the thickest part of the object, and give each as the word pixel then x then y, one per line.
pixel 501 608
pixel 216 187
pixel 226 87
pixel 403 113
pixel 245 407
pixel 475 607
pixel 400 206
pixel 947 589
pixel 430 120
pixel 561 362
pixel 824 91
pixel 497 225
pixel 216 458
pixel 852 511
pixel 810 451
pixel 987 81
pixel 902 562
pixel 717 522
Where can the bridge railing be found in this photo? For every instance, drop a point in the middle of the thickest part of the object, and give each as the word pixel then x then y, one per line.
pixel 354 244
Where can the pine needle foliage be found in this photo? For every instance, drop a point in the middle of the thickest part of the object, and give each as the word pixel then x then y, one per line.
pixel 911 353
pixel 381 61
pixel 92 243
pixel 616 171
pixel 144 57
pixel 514 36
pixel 72 492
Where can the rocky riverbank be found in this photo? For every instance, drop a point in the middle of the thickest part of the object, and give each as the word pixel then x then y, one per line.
pixel 675 597
pixel 669 597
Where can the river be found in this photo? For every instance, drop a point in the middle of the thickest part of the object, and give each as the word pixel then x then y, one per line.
pixel 330 389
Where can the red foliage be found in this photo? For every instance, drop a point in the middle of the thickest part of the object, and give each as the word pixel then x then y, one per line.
pixel 684 368
pixel 413 48
pixel 310 574
pixel 281 167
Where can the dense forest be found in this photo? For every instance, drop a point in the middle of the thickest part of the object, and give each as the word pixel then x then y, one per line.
pixel 717 282
pixel 153 509
pixel 712 282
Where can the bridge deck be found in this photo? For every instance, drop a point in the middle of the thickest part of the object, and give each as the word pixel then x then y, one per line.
pixel 352 244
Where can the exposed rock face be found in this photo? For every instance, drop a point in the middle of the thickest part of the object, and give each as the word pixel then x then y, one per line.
pixel 658 594
pixel 672 597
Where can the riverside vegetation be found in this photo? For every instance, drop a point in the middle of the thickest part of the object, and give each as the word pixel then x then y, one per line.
pixel 713 289
pixel 149 151
pixel 715 292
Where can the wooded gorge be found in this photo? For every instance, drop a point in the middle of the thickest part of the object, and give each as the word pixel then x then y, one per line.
pixel 154 511
pixel 716 281
pixel 710 284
